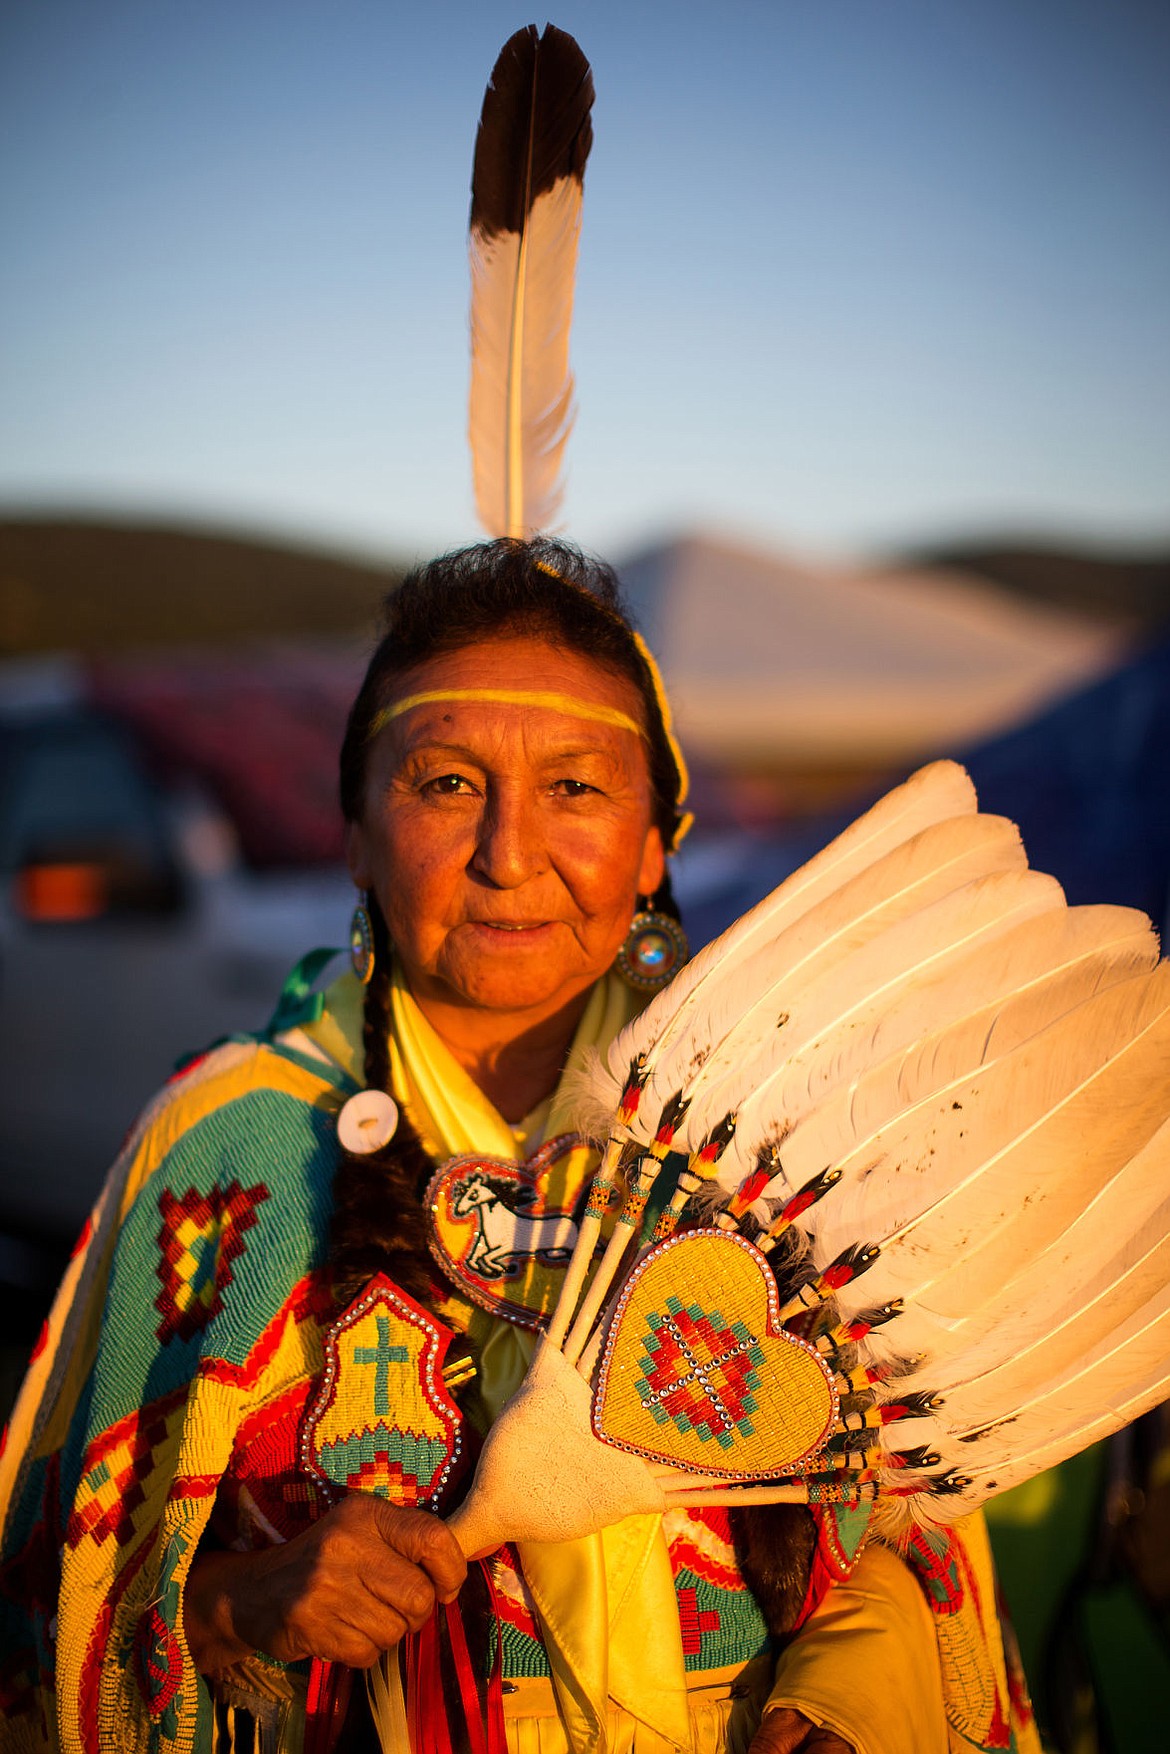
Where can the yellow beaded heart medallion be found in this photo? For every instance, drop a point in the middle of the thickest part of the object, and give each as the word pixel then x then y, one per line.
pixel 698 1373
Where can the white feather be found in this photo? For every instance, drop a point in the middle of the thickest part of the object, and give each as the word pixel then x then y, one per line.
pixel 1087 1277
pixel 941 1188
pixel 1035 975
pixel 526 192
pixel 1013 1385
pixel 742 1015
pixel 521 408
pixel 880 998
pixel 741 1028
pixel 1034 941
pixel 933 794
pixel 1116 1382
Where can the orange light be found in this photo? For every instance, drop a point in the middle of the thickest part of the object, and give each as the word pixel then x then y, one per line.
pixel 61 892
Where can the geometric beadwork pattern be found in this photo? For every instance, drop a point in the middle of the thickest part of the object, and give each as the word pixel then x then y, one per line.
pixel 719 1618
pixel 695 1622
pixel 960 1585
pixel 504 1231
pixel 699 1540
pixel 382 1420
pixel 710 1382
pixel 156 1654
pixel 121 1469
pixel 200 1237
pixel 700 1371
pixel 522 1652
pixel 158 1662
pixel 264 1486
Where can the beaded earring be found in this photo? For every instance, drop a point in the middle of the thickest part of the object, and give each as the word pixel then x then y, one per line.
pixel 654 950
pixel 361 942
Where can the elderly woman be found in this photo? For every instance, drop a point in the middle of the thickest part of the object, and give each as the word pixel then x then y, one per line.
pixel 511 792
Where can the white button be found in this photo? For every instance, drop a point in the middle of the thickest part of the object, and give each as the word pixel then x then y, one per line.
pixel 367 1122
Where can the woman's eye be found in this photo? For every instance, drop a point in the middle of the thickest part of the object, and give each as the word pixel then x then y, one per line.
pixel 447 785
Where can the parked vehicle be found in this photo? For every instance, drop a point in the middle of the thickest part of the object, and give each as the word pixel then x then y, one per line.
pixel 131 935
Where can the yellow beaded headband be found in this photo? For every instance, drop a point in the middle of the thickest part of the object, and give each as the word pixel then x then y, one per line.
pixel 557 703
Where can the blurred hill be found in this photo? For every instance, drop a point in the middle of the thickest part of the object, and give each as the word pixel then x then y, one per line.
pixel 91 587
pixel 1113 585
pixel 96 585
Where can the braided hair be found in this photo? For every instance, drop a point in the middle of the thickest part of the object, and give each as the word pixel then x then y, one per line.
pixel 544 590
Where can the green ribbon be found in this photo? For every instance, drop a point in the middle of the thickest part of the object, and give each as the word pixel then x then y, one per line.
pixel 298 1003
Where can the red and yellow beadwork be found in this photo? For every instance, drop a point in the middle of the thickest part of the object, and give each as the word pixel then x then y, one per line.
pixel 383 1421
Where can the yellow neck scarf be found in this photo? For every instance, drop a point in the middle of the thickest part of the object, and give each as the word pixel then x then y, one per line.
pixel 607 1605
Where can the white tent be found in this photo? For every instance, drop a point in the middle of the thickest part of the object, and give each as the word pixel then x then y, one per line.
pixel 777 660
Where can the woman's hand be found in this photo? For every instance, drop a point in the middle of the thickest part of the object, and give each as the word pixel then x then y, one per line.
pixel 789 1732
pixel 345 1590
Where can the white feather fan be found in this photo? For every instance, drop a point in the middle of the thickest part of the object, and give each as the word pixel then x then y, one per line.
pixel 923 1105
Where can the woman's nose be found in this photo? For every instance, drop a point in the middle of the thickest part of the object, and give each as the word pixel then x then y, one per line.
pixel 509 849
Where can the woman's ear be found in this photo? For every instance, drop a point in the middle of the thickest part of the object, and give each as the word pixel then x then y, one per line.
pixel 357 856
pixel 653 868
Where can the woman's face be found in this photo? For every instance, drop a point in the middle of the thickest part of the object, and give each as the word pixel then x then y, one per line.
pixel 506 843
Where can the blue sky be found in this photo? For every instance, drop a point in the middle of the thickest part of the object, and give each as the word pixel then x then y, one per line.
pixel 854 273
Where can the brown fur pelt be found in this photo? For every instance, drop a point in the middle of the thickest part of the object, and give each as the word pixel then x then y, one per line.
pixel 774 1544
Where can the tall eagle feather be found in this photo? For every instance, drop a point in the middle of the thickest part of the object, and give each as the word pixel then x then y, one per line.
pixel 534 138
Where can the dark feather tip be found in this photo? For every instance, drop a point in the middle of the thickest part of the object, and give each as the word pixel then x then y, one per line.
pixel 534 129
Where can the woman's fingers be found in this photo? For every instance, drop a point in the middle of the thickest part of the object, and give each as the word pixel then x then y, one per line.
pixel 336 1640
pixel 425 1542
pixel 372 1567
pixel 345 1590
pixel 789 1732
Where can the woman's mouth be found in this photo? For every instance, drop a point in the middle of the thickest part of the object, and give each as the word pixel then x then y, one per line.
pixel 512 925
pixel 516 930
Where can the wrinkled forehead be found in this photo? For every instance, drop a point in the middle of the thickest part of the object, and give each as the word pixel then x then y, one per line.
pixel 514 681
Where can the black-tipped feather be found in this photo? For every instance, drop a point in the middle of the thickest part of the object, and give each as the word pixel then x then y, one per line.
pixel 534 137
pixel 534 128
